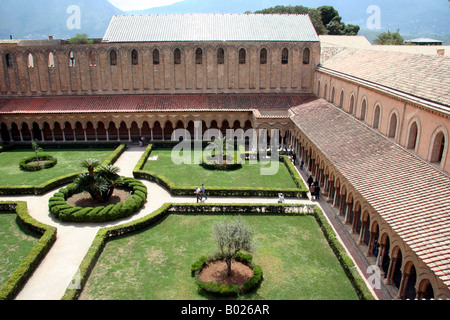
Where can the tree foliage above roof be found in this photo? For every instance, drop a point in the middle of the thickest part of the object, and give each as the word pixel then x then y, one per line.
pixel 326 19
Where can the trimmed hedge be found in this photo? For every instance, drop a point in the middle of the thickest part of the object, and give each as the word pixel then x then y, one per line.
pixel 225 289
pixel 17 280
pixel 57 182
pixel 50 162
pixel 300 192
pixel 143 223
pixel 59 207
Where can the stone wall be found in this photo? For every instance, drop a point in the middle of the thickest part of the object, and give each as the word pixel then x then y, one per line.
pixel 51 71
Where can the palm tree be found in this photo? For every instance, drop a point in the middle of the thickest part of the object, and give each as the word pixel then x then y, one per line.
pixel 90 164
pixel 111 175
pixel 99 185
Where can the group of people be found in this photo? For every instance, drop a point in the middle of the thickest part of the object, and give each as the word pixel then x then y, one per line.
pixel 314 188
pixel 201 193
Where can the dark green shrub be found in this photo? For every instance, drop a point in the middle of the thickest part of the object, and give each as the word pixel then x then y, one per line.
pixel 59 207
pixel 49 163
pixel 224 289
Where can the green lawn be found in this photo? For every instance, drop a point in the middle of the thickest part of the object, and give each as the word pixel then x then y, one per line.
pixel 188 175
pixel 15 245
pixel 68 162
pixel 155 264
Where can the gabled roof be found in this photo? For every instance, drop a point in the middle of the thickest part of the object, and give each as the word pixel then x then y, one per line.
pixel 210 27
pixel 411 195
pixel 422 76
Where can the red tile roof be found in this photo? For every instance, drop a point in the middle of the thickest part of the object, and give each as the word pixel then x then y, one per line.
pixel 410 194
pixel 149 103
pixel 423 76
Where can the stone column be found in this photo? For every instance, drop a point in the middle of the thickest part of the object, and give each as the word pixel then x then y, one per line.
pixel 369 252
pixel 355 220
pixel 390 273
pixel 362 232
pixel 402 288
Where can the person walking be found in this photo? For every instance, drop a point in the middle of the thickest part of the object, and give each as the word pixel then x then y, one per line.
pixel 203 193
pixel 280 198
pixel 197 192
pixel 310 181
pixel 317 191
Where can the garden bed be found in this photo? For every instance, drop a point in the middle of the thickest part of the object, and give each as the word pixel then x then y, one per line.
pixel 299 253
pixel 244 182
pixel 60 204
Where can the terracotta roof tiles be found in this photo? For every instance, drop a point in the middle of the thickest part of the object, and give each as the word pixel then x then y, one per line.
pixel 148 103
pixel 410 194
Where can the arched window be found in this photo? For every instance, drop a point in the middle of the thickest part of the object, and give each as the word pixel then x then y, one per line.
pixel 242 56
pixel 156 56
pixel 177 56
pixel 306 54
pixel 341 99
pixel 92 59
pixel 376 117
pixel 51 60
pixel 220 56
pixel 333 94
pixel 8 60
pixel 318 88
pixel 30 61
pixel 263 56
pixel 134 57
pixel 284 56
pixel 438 147
pixel 198 56
pixel 352 104
pixel 325 92
pixel 392 130
pixel 113 57
pixel 71 59
pixel 412 136
pixel 362 116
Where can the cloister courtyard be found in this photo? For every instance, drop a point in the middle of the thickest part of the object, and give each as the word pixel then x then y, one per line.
pixel 147 256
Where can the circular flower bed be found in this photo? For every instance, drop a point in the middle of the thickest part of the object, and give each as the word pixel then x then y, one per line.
pixel 62 210
pixel 42 162
pixel 210 275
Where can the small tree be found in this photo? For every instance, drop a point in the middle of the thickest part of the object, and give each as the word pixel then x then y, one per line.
pixel 232 237
pixel 100 185
pixel 81 38
pixel 36 149
pixel 90 164
pixel 388 38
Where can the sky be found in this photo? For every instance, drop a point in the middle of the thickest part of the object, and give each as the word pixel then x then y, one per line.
pixel 127 5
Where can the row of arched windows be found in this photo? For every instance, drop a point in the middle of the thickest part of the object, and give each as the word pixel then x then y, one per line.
pixel 220 55
pixel 438 141
pixel 113 57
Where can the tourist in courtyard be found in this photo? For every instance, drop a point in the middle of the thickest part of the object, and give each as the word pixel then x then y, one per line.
pixel 312 190
pixel 310 181
pixel 203 193
pixel 317 191
pixel 280 198
pixel 197 192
